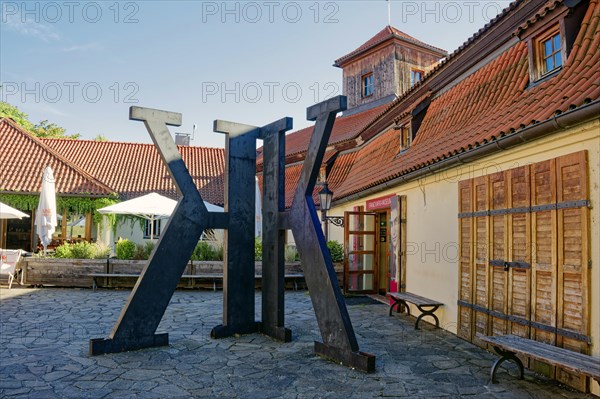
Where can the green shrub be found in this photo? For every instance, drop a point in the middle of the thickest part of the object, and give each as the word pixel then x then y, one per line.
pixel 291 254
pixel 143 252
pixel 64 251
pixel 83 250
pixel 202 251
pixel 257 248
pixel 336 250
pixel 207 251
pixel 149 247
pixel 139 253
pixel 125 249
pixel 218 254
pixel 78 250
pixel 102 251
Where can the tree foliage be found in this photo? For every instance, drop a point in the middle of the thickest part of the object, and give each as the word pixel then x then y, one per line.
pixel 47 130
pixel 44 129
pixel 14 113
pixel 101 138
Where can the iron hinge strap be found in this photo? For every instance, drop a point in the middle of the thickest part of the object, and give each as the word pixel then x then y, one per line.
pixel 528 209
pixel 513 264
pixel 481 309
pixel 574 335
pixel 574 204
pixel 543 208
pixel 519 320
pixel 543 327
pixel 498 315
pixel 464 304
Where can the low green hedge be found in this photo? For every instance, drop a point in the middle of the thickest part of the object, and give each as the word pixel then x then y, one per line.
pixel 82 250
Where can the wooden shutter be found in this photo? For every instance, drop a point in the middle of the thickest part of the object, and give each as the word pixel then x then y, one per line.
pixel 544 229
pixel 465 234
pixel 519 250
pixel 499 252
pixel 573 257
pixel 481 270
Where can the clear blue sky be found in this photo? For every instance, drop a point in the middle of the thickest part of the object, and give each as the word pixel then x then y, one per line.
pixel 82 64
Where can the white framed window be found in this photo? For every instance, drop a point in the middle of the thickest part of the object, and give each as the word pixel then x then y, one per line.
pixel 148 230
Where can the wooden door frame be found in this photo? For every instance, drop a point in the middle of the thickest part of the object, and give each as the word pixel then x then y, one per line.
pixel 347 252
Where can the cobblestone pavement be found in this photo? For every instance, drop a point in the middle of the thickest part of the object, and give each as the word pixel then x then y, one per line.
pixel 44 336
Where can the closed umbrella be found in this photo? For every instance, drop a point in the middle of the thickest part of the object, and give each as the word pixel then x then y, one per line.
pixel 8 212
pixel 45 216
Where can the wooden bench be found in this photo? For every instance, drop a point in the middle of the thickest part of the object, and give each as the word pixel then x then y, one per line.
pixel 426 306
pixel 214 277
pixel 508 346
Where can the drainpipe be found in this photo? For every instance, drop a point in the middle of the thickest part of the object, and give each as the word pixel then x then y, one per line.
pixel 553 125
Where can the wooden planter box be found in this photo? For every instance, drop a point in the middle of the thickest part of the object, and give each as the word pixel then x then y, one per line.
pixel 61 272
pixel 75 272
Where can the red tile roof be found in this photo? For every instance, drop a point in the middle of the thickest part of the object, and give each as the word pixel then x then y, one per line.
pixel 345 128
pixel 466 45
pixel 24 158
pixel 338 174
pixel 387 33
pixel 134 169
pixel 341 169
pixel 492 102
pixel 547 9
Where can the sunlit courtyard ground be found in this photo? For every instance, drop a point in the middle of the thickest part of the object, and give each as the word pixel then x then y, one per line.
pixel 44 336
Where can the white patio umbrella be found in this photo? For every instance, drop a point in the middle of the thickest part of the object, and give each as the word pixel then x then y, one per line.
pixel 151 206
pixel 45 216
pixel 8 212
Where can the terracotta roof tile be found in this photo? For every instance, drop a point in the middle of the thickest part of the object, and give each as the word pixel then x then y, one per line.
pixel 546 9
pixel 134 169
pixel 345 128
pixel 24 158
pixel 494 101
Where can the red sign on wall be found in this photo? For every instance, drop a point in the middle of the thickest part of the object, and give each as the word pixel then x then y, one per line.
pixel 380 203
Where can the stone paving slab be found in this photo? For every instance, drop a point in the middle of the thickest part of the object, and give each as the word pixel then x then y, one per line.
pixel 44 336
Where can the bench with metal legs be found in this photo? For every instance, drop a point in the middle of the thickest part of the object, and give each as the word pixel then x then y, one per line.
pixel 508 346
pixel 504 356
pixel 426 306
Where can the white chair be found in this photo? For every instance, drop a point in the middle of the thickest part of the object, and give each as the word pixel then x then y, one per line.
pixel 9 258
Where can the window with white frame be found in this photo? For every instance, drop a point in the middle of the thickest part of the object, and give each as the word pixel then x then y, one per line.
pixel 148 228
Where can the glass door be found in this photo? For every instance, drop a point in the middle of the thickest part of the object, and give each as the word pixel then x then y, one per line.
pixel 360 246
